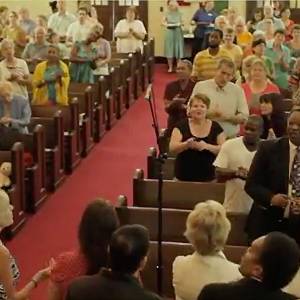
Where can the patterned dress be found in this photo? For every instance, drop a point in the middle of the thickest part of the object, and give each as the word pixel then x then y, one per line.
pixel 15 273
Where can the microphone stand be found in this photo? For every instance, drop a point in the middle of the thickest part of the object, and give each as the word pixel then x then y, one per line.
pixel 160 161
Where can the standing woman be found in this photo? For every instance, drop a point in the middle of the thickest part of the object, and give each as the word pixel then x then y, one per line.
pixel 84 56
pixel 294 44
pixel 174 36
pixel 51 80
pixel 258 85
pixel 9 272
pixel 288 23
pixel 271 106
pixel 104 53
pixel 196 141
pixel 14 32
pixel 130 32
pixel 257 17
pixel 204 19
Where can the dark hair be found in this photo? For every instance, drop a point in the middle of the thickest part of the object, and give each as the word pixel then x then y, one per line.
pixel 256 119
pixel 219 31
pixel 281 31
pixel 256 11
pixel 83 8
pixel 98 222
pixel 129 245
pixel 280 260
pixel 258 42
pixel 277 119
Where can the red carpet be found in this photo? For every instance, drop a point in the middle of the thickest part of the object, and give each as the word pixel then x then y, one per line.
pixel 107 172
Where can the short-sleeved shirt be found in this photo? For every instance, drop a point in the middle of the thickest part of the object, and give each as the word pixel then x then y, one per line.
pixel 68 266
pixel 79 32
pixel 177 112
pixel 28 26
pixel 234 154
pixel 230 100
pixel 35 51
pixel 194 165
pixel 60 23
pixel 205 65
pixel 20 68
pixel 129 44
pixel 201 15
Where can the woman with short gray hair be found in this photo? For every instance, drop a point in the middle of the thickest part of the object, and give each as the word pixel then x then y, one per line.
pixel 207 229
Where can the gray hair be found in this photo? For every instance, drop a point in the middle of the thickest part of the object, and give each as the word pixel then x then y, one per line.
pixel 7 43
pixel 207 227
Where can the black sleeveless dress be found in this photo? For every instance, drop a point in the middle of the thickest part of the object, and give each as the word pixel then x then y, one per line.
pixel 194 165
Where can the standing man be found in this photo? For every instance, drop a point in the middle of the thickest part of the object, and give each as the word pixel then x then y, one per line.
pixel 178 93
pixel 206 61
pixel 233 163
pixel 273 183
pixel 269 264
pixel 60 21
pixel 79 30
pixel 228 104
pixel 27 24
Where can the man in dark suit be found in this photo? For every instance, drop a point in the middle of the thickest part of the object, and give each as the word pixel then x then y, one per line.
pixel 128 255
pixel 269 264
pixel 273 183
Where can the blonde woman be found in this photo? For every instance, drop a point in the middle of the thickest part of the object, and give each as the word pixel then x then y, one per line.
pixel 172 21
pixel 207 229
pixel 196 141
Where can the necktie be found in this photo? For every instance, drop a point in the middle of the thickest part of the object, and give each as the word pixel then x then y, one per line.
pixel 295 175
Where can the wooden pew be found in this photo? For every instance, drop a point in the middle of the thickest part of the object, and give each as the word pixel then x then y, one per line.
pixel 176 194
pixel 17 190
pixel 152 166
pixel 35 175
pixel 151 59
pixel 71 130
pixel 119 86
pixel 133 72
pixel 92 106
pixel 85 105
pixel 174 221
pixel 54 133
pixel 169 252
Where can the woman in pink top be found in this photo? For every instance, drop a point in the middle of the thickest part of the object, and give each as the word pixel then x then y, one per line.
pixel 258 85
pixel 97 224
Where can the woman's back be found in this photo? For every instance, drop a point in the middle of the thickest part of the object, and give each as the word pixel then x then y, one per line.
pixel 192 272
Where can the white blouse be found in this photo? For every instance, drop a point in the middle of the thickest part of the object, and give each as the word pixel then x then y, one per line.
pixel 129 44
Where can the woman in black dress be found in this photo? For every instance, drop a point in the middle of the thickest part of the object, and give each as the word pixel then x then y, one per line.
pixel 271 106
pixel 196 141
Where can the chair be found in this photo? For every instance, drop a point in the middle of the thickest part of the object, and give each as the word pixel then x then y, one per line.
pixel 152 166
pixel 16 192
pixel 174 221
pixel 54 151
pixel 169 252
pixel 176 194
pixel 71 127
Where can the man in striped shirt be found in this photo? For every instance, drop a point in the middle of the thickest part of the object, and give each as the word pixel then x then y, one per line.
pixel 206 61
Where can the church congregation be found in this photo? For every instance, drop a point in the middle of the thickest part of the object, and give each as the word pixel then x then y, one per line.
pixel 229 90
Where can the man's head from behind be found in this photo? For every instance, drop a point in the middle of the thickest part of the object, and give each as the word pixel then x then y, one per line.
pixel 128 249
pixel 273 259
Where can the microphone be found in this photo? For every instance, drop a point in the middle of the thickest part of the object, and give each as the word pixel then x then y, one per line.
pixel 148 93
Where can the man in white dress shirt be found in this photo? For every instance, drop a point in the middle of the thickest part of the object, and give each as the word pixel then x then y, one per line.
pixel 233 162
pixel 60 21
pixel 228 104
pixel 79 30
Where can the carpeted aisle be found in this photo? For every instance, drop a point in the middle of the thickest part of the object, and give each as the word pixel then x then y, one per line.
pixel 106 172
